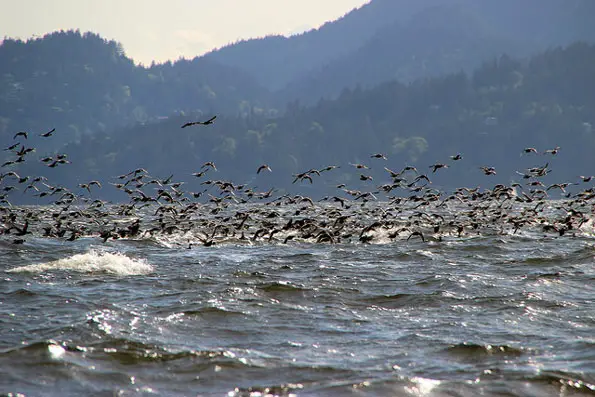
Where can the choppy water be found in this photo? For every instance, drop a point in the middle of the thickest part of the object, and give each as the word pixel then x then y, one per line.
pixel 487 315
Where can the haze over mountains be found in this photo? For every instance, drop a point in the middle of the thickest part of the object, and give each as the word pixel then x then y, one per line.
pixel 414 78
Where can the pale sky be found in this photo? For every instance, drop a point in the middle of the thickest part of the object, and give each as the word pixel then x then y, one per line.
pixel 160 30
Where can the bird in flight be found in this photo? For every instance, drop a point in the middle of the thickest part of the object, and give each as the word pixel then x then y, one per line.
pixel 437 166
pixel 209 164
pixel 553 151
pixel 263 168
pixel 209 121
pixel 49 133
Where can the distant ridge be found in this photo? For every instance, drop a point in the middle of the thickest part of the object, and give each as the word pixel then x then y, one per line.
pixel 81 84
pixel 396 39
pixel 489 117
pixel 275 60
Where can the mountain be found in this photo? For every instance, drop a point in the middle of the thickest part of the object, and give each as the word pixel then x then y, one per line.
pixel 81 83
pixel 489 116
pixel 446 38
pixel 406 40
pixel 275 60
pixel 437 41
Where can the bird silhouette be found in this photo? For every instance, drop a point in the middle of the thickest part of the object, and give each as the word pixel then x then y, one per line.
pixel 553 151
pixel 208 122
pixel 49 133
pixel 263 168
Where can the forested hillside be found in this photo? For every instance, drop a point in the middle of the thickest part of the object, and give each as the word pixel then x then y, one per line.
pixel 81 83
pixel 489 116
pixel 440 40
pixel 406 40
pixel 446 38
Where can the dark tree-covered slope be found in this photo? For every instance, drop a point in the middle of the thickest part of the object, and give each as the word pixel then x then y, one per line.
pixel 445 38
pixel 489 116
pixel 437 41
pixel 81 83
pixel 406 40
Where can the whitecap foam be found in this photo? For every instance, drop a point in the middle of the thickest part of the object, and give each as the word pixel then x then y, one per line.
pixel 92 262
pixel 421 386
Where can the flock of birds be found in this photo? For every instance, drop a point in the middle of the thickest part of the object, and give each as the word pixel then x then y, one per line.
pixel 225 212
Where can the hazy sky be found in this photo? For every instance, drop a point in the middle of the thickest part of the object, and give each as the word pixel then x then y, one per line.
pixel 160 30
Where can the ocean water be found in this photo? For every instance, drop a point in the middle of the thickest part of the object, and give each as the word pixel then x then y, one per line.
pixel 487 312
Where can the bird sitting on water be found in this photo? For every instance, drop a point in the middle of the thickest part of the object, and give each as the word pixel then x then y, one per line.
pixel 208 122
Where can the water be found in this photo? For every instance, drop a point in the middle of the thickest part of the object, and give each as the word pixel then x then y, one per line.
pixel 482 314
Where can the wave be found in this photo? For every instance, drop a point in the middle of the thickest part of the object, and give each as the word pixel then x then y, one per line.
pixel 282 286
pixel 567 383
pixel 211 310
pixel 416 299
pixel 92 262
pixel 48 348
pixel 277 390
pixel 474 351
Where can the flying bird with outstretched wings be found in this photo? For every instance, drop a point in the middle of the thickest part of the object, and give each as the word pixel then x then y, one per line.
pixel 208 122
pixel 49 133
